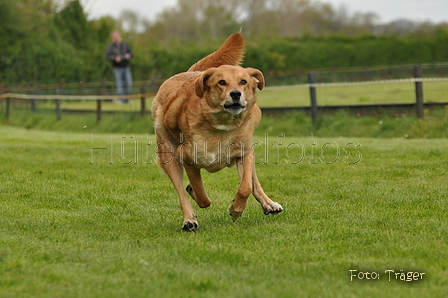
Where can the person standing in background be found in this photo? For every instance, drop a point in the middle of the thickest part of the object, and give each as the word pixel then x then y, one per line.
pixel 119 53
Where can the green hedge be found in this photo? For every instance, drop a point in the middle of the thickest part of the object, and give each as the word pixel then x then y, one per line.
pixel 63 45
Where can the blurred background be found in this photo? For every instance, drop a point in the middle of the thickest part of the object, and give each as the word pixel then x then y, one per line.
pixel 65 41
pixel 58 47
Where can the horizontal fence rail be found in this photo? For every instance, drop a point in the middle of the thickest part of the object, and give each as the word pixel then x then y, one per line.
pixel 8 97
pixel 316 83
pixel 72 97
pixel 361 83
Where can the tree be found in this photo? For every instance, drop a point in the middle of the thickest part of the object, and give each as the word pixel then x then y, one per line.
pixel 9 32
pixel 73 25
pixel 53 40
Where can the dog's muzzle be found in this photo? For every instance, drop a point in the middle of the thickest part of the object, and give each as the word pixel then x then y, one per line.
pixel 235 107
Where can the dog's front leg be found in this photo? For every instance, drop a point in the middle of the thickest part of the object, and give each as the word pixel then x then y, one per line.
pixel 175 172
pixel 245 168
pixel 269 206
pixel 173 168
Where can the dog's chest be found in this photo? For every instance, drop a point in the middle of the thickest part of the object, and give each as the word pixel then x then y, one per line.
pixel 214 154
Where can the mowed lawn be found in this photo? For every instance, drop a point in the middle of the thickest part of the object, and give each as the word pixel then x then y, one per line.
pixel 92 215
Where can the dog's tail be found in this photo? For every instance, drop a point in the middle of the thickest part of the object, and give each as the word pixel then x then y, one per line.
pixel 231 52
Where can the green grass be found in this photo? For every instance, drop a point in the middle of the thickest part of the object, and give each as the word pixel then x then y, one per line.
pixel 342 123
pixel 70 228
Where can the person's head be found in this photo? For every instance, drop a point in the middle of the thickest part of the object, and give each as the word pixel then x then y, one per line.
pixel 115 35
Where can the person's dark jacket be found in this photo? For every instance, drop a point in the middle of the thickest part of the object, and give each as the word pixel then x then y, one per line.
pixel 114 50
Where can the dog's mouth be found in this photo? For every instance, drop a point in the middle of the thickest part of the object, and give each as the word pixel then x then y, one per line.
pixel 235 108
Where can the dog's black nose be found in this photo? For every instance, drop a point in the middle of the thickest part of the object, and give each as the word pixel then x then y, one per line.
pixel 235 95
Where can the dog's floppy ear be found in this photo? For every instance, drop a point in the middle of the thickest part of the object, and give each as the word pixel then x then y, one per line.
pixel 258 76
pixel 200 85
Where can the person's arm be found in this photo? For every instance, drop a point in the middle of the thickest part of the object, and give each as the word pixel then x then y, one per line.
pixel 110 54
pixel 129 53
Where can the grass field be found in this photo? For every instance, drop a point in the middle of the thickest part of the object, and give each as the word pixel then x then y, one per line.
pixel 77 222
pixel 342 123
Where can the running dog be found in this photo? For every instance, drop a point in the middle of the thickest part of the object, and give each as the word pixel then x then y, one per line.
pixel 204 119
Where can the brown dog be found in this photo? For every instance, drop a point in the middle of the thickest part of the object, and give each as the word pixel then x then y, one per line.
pixel 205 118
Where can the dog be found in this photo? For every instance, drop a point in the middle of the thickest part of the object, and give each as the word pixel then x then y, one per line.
pixel 204 119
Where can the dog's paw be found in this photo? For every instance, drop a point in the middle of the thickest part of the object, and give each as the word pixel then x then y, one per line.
pixel 234 214
pixel 272 208
pixel 190 226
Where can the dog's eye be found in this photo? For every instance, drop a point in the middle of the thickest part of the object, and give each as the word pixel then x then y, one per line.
pixel 243 82
pixel 222 83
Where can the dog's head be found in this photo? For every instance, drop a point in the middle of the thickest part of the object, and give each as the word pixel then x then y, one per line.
pixel 231 88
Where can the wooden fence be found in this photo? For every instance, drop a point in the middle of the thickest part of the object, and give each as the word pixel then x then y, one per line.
pixel 313 108
pixel 57 98
pixel 418 80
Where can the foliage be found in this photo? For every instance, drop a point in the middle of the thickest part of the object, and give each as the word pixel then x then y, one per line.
pixel 44 41
pixel 51 45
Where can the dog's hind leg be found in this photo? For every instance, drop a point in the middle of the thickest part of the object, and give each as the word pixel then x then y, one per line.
pixel 195 188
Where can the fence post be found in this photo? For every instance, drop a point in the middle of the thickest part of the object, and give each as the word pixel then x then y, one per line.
pixel 8 103
pixel 8 106
pixel 33 102
pixel 313 97
pixel 58 105
pixel 99 112
pixel 419 91
pixel 142 101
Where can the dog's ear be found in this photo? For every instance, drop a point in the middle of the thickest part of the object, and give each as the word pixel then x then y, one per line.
pixel 200 85
pixel 258 76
